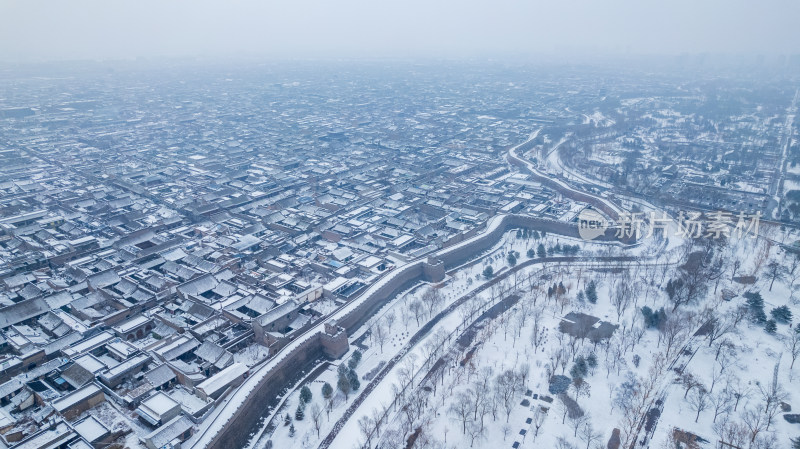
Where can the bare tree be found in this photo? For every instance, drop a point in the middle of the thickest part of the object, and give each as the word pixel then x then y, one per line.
pixel 538 419
pixel 623 295
pixel 581 388
pixel 639 401
pixel 390 318
pixel 468 309
pixel 563 301
pixel 506 431
pixel 523 373
pixel 461 408
pixel 691 284
pixel 518 322
pixel 379 333
pixel 563 443
pixel 432 299
pixel 589 435
pixel 723 325
pixel 717 372
pixel 475 433
pixel 730 432
pixel 413 410
pixel 365 425
pixel 738 390
pixel 482 394
pixel 774 271
pixel 722 403
pixel 761 254
pixel 755 421
pixel 405 316
pixel 393 439
pixel 725 350
pixel 792 344
pixel 675 331
pixel 377 419
pixel 792 272
pixel 576 421
pixel 699 401
pixel 417 310
pixel 538 331
pixel 735 268
pixel 507 385
pixel 772 396
pixel 316 417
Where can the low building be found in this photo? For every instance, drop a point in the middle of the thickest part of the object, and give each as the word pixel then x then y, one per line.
pixel 93 431
pixel 158 409
pixel 170 435
pixel 216 385
pixel 77 402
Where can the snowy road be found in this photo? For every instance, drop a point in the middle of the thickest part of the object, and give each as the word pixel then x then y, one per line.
pixel 604 204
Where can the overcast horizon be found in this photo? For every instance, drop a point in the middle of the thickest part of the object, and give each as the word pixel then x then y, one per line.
pixel 37 31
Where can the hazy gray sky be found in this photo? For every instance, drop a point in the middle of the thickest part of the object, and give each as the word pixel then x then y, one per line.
pixel 107 29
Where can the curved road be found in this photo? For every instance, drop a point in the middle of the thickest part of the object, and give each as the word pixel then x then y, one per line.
pixel 603 204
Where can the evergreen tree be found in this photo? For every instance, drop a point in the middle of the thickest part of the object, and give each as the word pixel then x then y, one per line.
pixel 305 394
pixel 488 272
pixel 559 384
pixel 781 314
pixel 591 361
pixel 659 318
pixel 540 251
pixel 647 313
pixel 327 391
pixel 581 296
pixel 512 260
pixel 591 292
pixel 352 377
pixel 300 413
pixel 344 386
pixel 755 303
pixel 291 431
pixel 354 359
pixel 653 319
pixel 574 372
pixel 771 327
pixel 287 420
pixel 536 235
pixel 531 253
pixel 519 233
pixel 579 369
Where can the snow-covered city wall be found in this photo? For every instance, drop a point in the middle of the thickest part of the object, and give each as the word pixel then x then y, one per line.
pixel 242 411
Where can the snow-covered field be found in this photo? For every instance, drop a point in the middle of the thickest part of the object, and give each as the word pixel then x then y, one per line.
pixel 404 325
pixel 470 382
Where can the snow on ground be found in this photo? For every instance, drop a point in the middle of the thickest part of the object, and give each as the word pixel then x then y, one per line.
pixel 502 351
pixel 464 280
pixel 752 357
pixel 251 355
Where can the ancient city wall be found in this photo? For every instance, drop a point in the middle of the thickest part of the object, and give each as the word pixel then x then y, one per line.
pixel 243 421
pixel 370 301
